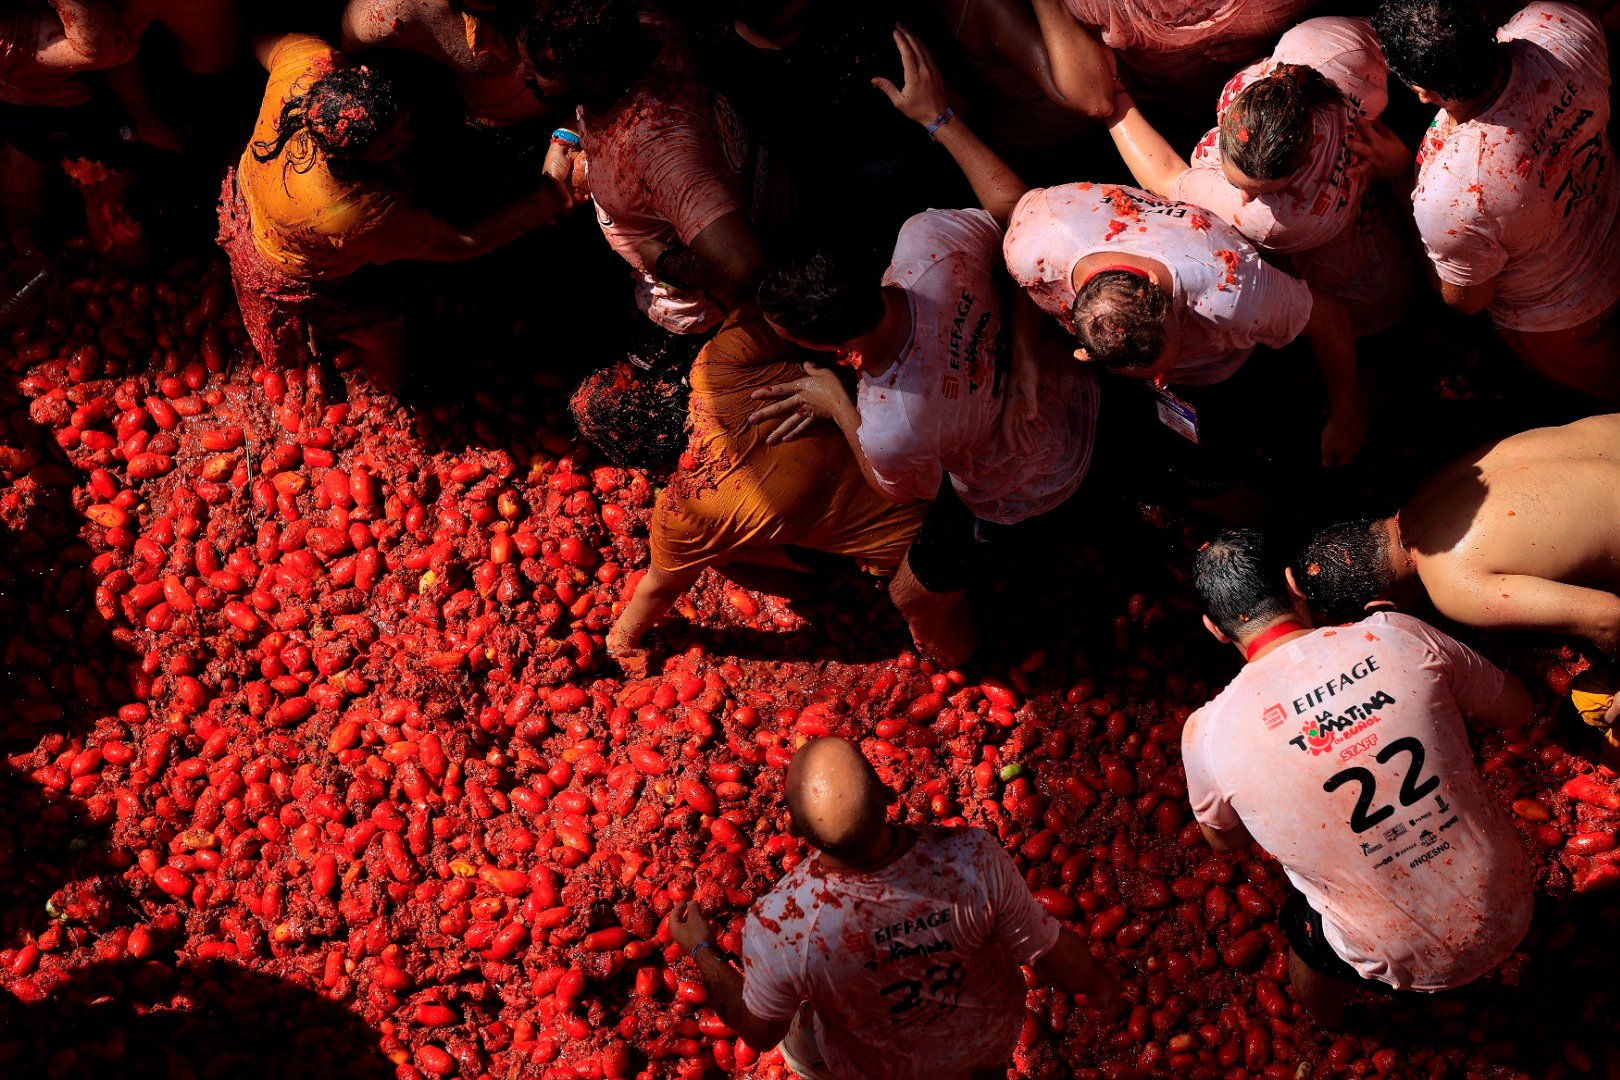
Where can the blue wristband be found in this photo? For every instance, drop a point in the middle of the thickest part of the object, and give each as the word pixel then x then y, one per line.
pixel 940 121
pixel 564 135
pixel 699 947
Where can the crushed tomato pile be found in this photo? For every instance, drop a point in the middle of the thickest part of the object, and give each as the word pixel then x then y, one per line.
pixel 314 764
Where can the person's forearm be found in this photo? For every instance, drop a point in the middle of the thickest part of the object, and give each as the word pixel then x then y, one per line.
pixel 1081 72
pixel 128 84
pixel 848 419
pixel 1333 344
pixel 505 225
pixel 725 987
pixel 655 594
pixel 1512 709
pixel 1150 157
pixel 994 182
pixel 1070 967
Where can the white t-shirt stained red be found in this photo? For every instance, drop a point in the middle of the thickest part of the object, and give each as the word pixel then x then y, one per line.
pixel 665 164
pixel 1227 299
pixel 937 409
pixel 1340 241
pixel 1528 192
pixel 913 970
pixel 1344 754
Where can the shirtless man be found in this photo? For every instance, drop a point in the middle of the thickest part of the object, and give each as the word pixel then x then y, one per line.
pixel 463 36
pixel 1519 534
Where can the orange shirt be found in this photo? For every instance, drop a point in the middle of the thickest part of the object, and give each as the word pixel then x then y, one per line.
pixel 741 493
pixel 308 223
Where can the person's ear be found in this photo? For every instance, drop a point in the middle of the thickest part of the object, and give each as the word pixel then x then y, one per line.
pixel 1209 624
pixel 1293 586
pixel 1082 356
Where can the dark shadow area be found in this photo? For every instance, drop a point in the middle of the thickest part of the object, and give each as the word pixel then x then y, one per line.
pixel 212 1021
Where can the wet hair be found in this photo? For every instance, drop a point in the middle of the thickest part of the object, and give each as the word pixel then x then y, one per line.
pixel 635 418
pixel 1343 568
pixel 1444 46
pixel 1119 319
pixel 341 114
pixel 595 47
pixel 1239 578
pixel 821 298
pixel 1267 130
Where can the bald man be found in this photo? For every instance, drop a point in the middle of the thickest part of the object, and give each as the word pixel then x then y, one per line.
pixel 1521 534
pixel 890 952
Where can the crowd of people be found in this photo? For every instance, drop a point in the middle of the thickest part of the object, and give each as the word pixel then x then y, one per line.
pixel 893 363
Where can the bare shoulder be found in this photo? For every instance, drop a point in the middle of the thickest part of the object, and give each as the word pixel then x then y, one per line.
pixel 380 22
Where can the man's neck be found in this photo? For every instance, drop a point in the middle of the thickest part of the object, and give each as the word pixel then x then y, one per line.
pixel 1463 111
pixel 895 842
pixel 880 348
pixel 1270 636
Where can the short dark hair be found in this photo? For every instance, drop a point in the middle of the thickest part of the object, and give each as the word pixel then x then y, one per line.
pixel 1443 46
pixel 1239 578
pixel 597 47
pixel 340 114
pixel 1343 568
pixel 1268 129
pixel 822 298
pixel 635 418
pixel 1119 319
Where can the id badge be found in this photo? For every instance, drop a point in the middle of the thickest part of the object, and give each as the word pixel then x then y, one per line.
pixel 1179 416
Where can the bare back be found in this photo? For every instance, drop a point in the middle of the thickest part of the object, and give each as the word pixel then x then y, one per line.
pixel 484 68
pixel 1524 532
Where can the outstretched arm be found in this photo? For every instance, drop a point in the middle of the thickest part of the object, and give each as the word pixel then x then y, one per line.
pixel 655 594
pixel 1069 966
pixel 1053 51
pixel 1150 157
pixel 1333 343
pixel 725 983
pixel 922 98
pixel 1520 602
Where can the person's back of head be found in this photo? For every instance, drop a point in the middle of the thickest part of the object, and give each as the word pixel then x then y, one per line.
pixel 1268 130
pixel 835 801
pixel 1343 568
pixel 1119 319
pixel 1240 579
pixel 587 51
pixel 1442 46
pixel 343 114
pixel 636 419
pixel 821 299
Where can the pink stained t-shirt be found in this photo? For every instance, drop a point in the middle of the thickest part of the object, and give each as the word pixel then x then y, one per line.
pixel 1227 299
pixel 937 409
pixel 913 970
pixel 1341 241
pixel 664 165
pixel 1345 755
pixel 1528 192
pixel 1164 41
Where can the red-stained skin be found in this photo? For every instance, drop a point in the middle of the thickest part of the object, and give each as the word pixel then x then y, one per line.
pixel 357 750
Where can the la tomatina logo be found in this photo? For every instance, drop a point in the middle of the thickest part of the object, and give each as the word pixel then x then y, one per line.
pixel 1320 735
